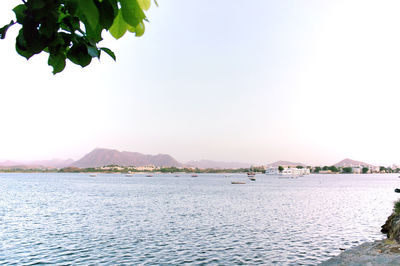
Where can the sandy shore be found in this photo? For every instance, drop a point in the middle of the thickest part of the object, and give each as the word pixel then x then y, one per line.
pixel 380 252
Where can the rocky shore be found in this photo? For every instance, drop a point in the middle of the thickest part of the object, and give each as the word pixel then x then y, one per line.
pixel 380 252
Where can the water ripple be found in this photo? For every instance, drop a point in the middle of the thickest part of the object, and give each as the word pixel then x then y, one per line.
pixel 111 219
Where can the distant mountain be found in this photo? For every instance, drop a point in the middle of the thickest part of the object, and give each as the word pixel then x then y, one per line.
pixel 57 163
pixel 101 157
pixel 54 163
pixel 217 164
pixel 282 163
pixel 350 162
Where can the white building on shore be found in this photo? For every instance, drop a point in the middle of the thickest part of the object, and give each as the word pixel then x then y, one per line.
pixel 287 171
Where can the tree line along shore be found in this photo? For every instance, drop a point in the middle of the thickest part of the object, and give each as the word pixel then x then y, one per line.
pixel 154 169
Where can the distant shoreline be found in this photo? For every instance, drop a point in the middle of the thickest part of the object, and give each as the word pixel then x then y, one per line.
pixel 168 170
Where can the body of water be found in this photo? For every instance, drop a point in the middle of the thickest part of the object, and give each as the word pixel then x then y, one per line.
pixel 164 219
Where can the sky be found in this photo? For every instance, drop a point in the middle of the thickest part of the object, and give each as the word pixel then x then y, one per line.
pixel 250 81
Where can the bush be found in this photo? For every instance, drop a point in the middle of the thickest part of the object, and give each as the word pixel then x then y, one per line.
pixel 396 208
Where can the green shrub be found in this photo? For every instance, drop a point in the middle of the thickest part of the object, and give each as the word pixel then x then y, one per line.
pixel 396 207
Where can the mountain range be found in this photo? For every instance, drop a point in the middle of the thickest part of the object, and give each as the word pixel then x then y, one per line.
pixel 54 163
pixel 281 163
pixel 217 164
pixel 102 157
pixel 348 162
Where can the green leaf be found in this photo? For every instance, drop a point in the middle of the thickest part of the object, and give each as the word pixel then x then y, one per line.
pixel 79 55
pixel 139 30
pixel 37 4
pixel 130 28
pixel 21 46
pixel 119 26
pixel 90 12
pixel 109 52
pixel 144 4
pixel 72 6
pixel 20 13
pixel 57 61
pixel 94 35
pixel 108 10
pixel 131 12
pixel 93 51
pixel 4 29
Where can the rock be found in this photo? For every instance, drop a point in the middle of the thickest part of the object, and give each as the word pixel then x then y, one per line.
pixel 371 253
pixel 395 249
pixel 392 227
pixel 380 252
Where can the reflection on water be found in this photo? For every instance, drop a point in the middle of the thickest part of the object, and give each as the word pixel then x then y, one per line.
pixel 164 219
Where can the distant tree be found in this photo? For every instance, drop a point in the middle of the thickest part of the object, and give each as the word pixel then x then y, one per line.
pixel 317 169
pixel 280 168
pixel 325 168
pixel 299 167
pixel 71 29
pixel 382 169
pixel 347 170
pixel 365 170
pixel 333 169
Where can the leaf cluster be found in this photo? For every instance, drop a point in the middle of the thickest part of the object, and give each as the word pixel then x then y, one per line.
pixel 396 207
pixel 72 29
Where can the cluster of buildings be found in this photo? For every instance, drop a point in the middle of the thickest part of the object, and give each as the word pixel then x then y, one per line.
pixel 287 170
pixel 145 168
pixel 355 169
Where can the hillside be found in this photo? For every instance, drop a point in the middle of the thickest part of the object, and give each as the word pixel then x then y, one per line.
pixel 54 163
pixel 283 163
pixel 217 164
pixel 101 157
pixel 350 162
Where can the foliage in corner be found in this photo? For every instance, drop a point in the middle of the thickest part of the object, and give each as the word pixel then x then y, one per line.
pixel 72 29
pixel 396 207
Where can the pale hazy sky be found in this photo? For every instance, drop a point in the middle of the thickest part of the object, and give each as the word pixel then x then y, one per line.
pixel 252 81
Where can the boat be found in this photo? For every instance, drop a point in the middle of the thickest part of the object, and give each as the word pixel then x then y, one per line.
pixel 176 175
pixel 252 178
pixel 149 175
pixel 237 183
pixel 93 175
pixel 251 174
pixel 194 175
pixel 128 174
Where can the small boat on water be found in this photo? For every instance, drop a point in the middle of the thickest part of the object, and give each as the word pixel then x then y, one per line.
pixel 176 175
pixel 194 175
pixel 251 174
pixel 128 174
pixel 252 178
pixel 93 175
pixel 149 175
pixel 237 183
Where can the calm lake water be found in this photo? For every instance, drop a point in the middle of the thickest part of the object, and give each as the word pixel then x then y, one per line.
pixel 113 219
